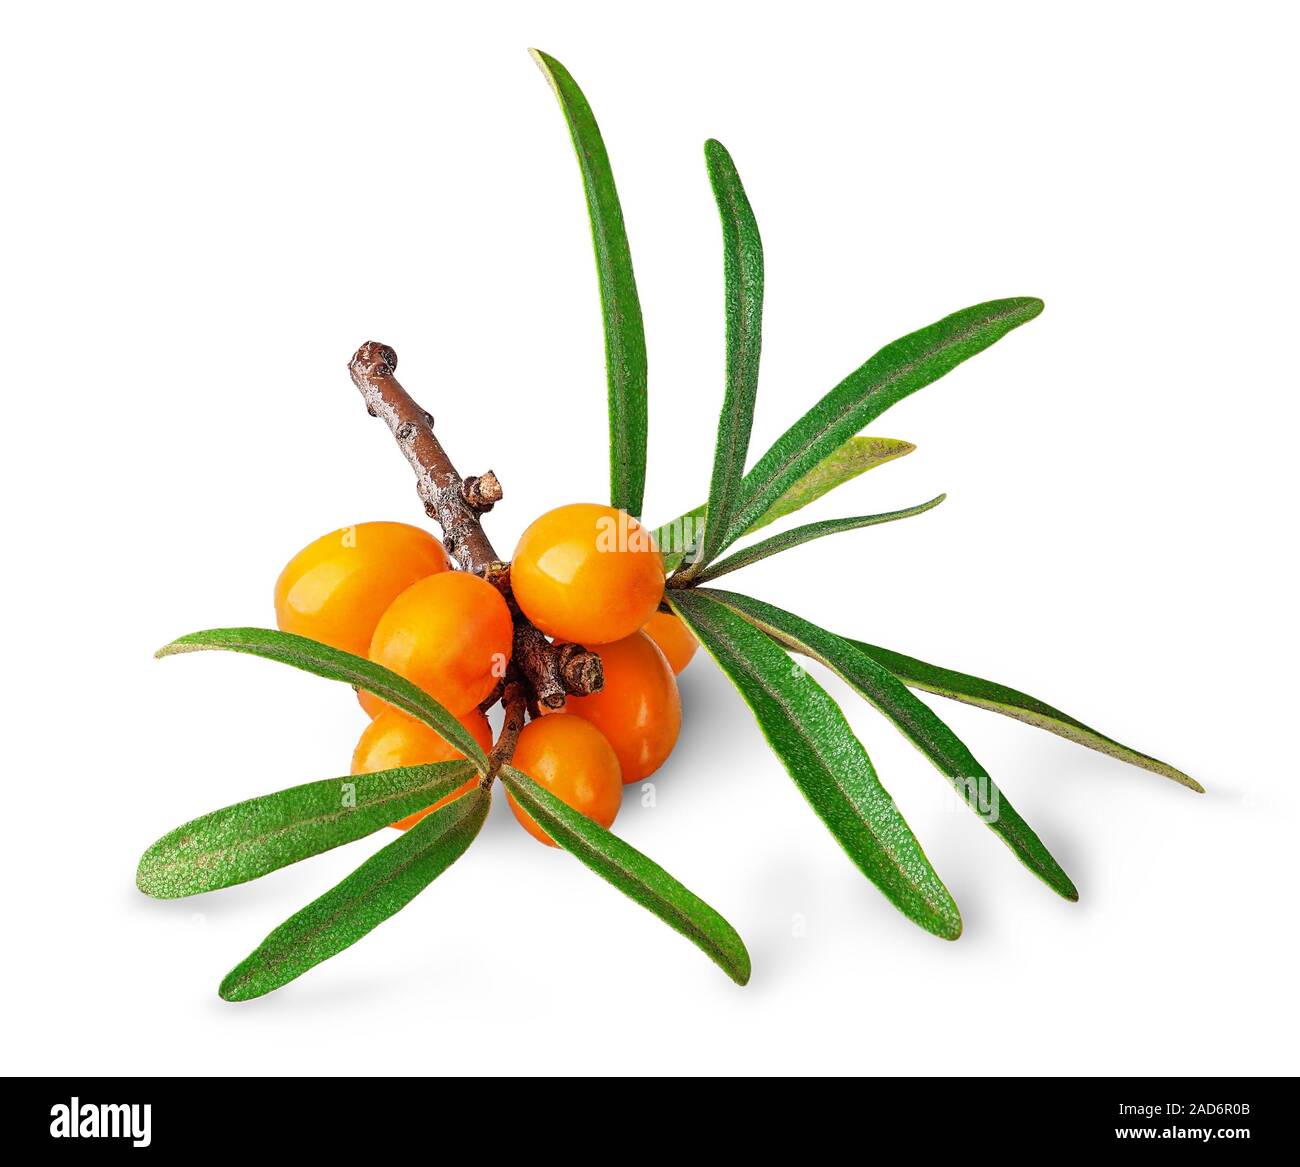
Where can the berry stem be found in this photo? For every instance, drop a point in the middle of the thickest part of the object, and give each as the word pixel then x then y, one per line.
pixel 456 504
pixel 515 702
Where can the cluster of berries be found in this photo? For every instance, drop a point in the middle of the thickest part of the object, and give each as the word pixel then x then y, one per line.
pixel 583 574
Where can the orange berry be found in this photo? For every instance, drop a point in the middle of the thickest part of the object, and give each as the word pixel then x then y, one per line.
pixel 572 759
pixel 587 573
pixel 674 639
pixel 638 710
pixel 335 589
pixel 394 739
pixel 450 634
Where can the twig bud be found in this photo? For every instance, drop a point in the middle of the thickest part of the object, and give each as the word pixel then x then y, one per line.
pixel 581 671
pixel 482 491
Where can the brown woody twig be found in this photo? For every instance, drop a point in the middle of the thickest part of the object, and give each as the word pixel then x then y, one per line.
pixel 550 670
pixel 515 702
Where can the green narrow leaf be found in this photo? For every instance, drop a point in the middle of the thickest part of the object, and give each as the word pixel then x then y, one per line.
pixel 917 722
pixel 742 262
pixel 809 734
pixel 625 353
pixel 806 534
pixel 380 887
pixel 857 456
pixel 897 370
pixel 251 838
pixel 1013 703
pixel 313 657
pixel 633 874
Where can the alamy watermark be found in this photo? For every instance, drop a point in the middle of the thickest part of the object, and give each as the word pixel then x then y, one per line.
pixel 978 794
pixel 621 533
pixel 102 1120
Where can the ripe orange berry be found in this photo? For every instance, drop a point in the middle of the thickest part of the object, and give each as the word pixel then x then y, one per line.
pixel 394 739
pixel 335 589
pixel 572 759
pixel 674 639
pixel 638 710
pixel 450 634
pixel 587 573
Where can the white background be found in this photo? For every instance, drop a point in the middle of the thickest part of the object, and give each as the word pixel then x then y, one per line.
pixel 210 207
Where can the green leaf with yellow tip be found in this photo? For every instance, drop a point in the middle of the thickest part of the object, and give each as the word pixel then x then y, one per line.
pixel 856 456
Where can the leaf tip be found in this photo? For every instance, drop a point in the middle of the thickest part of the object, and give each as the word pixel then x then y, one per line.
pixel 1182 779
pixel 173 647
pixel 1178 776
pixel 949 925
pixel 1059 882
pixel 715 150
pixel 234 986
pixel 737 964
pixel 547 64
pixel 143 880
pixel 943 919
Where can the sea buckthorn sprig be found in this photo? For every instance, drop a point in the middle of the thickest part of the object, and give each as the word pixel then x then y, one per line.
pixel 580 636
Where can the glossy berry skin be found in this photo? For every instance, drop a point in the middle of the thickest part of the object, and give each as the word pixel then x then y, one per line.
pixel 675 640
pixel 638 709
pixel 588 574
pixel 450 634
pixel 336 589
pixel 394 739
pixel 572 759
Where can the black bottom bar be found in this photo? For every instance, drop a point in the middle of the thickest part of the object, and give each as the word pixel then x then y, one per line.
pixel 1021 1115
